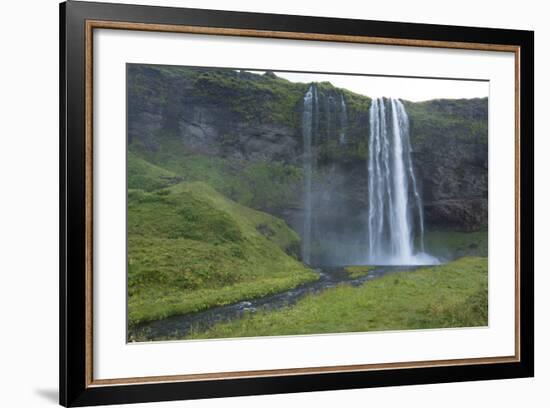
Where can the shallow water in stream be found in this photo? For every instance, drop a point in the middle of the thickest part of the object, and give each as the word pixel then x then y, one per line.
pixel 181 325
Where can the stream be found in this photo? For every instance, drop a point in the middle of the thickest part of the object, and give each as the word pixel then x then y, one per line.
pixel 329 277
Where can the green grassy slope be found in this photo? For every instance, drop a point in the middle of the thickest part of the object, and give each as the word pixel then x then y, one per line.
pixel 190 248
pixel 146 176
pixel 451 295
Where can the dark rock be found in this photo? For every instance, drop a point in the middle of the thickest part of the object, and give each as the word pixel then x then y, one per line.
pixel 449 142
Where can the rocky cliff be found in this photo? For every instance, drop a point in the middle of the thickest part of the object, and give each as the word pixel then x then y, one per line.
pixel 242 132
pixel 449 140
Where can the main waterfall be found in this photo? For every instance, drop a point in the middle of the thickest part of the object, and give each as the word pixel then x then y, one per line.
pixel 395 213
pixel 387 229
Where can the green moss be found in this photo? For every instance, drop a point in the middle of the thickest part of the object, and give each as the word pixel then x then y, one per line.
pixel 452 295
pixel 456 119
pixel 190 248
pixel 356 271
pixel 255 97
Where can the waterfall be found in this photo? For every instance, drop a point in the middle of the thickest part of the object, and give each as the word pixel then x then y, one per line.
pixel 343 119
pixel 391 182
pixel 307 125
pixel 328 100
pixel 404 118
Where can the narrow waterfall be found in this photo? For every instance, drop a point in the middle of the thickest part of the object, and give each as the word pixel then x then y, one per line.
pixel 404 123
pixel 328 100
pixel 391 220
pixel 307 126
pixel 343 119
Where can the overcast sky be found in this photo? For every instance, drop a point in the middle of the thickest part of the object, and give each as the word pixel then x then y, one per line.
pixel 412 89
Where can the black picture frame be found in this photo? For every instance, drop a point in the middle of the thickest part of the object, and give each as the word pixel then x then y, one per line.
pixel 75 386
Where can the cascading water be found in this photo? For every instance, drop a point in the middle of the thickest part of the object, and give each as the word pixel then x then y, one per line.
pixel 307 126
pixel 404 118
pixel 395 222
pixel 343 119
pixel 391 181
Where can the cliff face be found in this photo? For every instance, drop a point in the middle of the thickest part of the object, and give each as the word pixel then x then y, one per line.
pixel 240 115
pixel 449 140
pixel 248 128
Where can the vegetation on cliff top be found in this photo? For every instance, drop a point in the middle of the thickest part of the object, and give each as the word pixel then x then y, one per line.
pixel 254 98
pixel 268 98
pixel 454 119
pixel 262 98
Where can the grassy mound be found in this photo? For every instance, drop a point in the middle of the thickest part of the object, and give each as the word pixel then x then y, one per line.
pixel 146 176
pixel 190 248
pixel 451 295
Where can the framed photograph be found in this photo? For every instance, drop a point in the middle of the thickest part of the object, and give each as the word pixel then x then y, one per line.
pixel 256 203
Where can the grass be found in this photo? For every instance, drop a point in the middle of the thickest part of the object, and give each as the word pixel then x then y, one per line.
pixel 356 271
pixel 451 295
pixel 267 98
pixel 253 96
pixel 190 248
pixel 447 245
pixel 146 176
